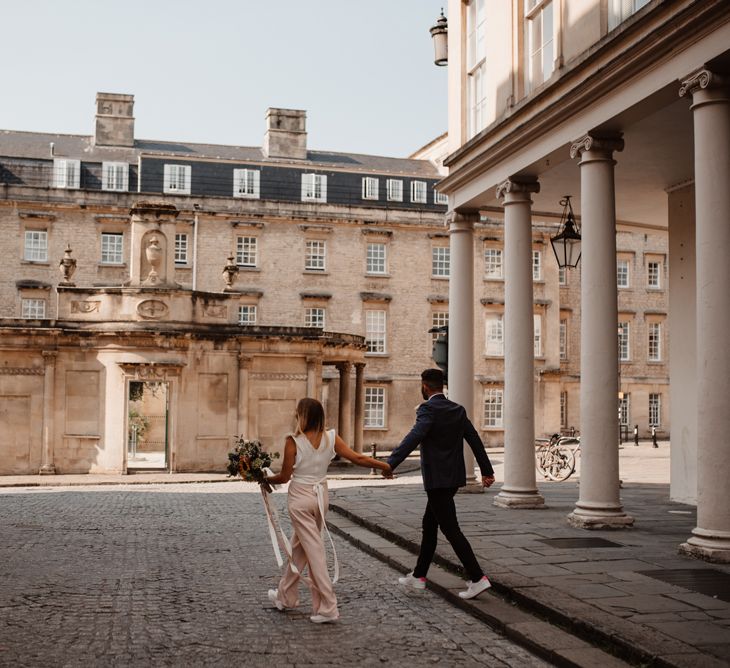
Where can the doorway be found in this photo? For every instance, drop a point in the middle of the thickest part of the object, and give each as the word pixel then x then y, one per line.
pixel 147 425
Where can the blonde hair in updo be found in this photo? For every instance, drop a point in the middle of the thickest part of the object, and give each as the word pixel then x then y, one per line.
pixel 310 415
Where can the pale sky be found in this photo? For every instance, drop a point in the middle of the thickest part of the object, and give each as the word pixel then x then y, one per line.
pixel 206 71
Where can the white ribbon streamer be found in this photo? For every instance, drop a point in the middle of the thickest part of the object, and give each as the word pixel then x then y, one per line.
pixel 280 542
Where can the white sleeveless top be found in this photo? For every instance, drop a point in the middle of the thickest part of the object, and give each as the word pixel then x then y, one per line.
pixel 310 465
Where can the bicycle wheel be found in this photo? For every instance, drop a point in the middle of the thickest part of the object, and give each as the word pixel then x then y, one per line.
pixel 562 463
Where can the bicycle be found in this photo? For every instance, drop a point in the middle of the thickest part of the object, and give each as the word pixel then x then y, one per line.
pixel 555 458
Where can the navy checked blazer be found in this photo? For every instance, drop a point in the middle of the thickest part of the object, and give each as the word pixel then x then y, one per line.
pixel 441 428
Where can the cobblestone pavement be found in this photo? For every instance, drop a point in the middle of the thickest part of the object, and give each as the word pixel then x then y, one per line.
pixel 176 575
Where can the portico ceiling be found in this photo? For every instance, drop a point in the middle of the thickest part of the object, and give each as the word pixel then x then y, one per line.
pixel 657 156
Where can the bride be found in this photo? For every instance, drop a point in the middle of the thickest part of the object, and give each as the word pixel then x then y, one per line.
pixel 307 454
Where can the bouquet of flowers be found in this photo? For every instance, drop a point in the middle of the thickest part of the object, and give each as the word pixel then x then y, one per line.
pixel 249 459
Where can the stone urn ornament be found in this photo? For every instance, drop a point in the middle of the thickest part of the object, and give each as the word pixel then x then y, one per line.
pixel 67 267
pixel 230 273
pixel 153 253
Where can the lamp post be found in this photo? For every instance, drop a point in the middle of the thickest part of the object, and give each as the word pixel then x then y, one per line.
pixel 440 33
pixel 566 244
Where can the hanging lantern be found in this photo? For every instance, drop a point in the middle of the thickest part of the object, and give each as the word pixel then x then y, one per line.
pixel 566 244
pixel 440 34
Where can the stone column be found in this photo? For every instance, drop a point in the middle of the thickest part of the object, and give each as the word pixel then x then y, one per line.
pixel 520 487
pixel 49 395
pixel 599 503
pixel 711 112
pixel 359 405
pixel 344 412
pixel 244 368
pixel 461 319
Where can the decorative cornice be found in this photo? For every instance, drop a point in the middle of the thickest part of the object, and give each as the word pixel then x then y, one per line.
pixel 517 187
pixel 375 297
pixel 702 79
pixel 37 215
pixel 315 295
pixel 375 231
pixel 438 235
pixel 109 218
pixel 31 284
pixel 491 300
pixel 438 299
pixel 323 229
pixel 607 144
pixel 247 223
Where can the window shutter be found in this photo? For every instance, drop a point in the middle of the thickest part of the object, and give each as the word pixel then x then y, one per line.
pixel 59 173
pixel 187 172
pixel 256 183
pixel 323 197
pixel 167 179
pixel 307 186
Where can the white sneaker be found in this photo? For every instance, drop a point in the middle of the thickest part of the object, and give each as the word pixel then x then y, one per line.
pixel 323 619
pixel 410 581
pixel 475 588
pixel 274 598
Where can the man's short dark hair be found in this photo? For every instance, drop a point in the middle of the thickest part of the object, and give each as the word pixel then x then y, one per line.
pixel 433 379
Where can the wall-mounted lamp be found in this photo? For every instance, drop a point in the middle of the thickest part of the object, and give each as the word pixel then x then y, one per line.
pixel 440 34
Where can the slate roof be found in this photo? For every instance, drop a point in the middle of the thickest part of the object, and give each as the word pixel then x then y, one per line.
pixel 36 145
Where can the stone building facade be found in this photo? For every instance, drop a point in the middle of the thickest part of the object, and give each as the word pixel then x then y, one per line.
pixel 313 243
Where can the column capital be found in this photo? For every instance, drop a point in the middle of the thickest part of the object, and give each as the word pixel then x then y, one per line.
pixel 49 357
pixel 244 361
pixel 344 367
pixel 606 144
pixel 518 189
pixel 463 218
pixel 701 80
pixel 359 366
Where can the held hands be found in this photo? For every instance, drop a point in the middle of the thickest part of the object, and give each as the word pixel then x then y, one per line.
pixel 487 480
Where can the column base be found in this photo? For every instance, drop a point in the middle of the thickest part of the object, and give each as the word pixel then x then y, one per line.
pixel 707 545
pixel 594 519
pixel 520 500
pixel 47 469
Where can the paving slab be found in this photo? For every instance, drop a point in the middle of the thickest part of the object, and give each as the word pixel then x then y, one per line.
pixel 600 593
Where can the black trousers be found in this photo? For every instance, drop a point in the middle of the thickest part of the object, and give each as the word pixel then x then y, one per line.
pixel 441 513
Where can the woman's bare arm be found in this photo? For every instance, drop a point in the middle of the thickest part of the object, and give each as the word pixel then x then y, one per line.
pixel 287 466
pixel 343 450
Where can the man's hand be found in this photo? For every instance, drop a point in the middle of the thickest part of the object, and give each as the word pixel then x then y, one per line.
pixel 387 473
pixel 487 480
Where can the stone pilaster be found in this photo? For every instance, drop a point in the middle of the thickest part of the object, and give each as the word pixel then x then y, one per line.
pixel 49 403
pixel 244 369
pixel 520 487
pixel 599 503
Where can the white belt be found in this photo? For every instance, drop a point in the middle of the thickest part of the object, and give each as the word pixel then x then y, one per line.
pixel 280 542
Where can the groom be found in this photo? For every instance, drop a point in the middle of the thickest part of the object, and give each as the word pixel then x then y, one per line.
pixel 441 428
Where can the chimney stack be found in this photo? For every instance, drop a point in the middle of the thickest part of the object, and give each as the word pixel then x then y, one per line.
pixel 114 120
pixel 286 134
